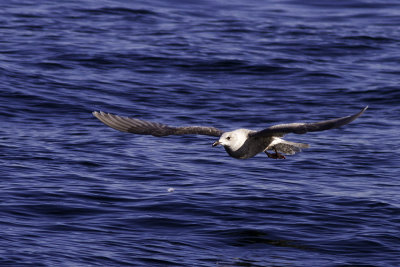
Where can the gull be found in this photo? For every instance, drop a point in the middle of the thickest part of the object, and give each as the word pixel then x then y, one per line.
pixel 240 143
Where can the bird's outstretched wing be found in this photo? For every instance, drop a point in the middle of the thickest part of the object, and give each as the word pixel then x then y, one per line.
pixel 302 128
pixel 136 126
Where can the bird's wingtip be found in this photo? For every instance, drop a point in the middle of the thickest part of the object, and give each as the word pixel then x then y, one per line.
pixel 364 109
pixel 98 114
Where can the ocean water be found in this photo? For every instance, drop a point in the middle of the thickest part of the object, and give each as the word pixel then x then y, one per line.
pixel 77 193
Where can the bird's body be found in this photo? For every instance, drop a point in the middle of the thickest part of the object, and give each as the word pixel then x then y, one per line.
pixel 244 144
pixel 240 143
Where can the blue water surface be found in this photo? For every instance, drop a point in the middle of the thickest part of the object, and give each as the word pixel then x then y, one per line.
pixel 77 193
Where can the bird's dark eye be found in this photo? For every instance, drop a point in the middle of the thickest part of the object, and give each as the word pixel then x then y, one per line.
pixel 228 138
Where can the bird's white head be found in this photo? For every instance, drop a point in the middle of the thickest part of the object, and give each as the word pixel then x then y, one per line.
pixel 233 140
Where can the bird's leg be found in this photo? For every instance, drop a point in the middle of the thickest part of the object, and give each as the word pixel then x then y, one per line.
pixel 275 155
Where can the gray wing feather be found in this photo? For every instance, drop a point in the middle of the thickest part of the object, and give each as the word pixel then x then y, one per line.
pixel 136 126
pixel 302 128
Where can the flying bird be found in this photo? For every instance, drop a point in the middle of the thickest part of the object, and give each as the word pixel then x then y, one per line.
pixel 240 143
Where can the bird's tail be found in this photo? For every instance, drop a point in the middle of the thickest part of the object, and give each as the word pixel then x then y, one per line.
pixel 288 147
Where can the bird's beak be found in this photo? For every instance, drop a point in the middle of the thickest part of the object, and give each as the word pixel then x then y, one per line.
pixel 216 143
